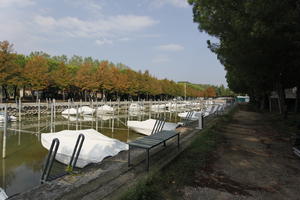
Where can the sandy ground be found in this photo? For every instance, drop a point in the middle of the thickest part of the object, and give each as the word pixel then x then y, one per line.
pixel 255 162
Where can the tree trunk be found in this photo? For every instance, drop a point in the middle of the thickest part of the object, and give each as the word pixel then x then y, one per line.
pixel 282 102
pixel 15 92
pixel 32 95
pixel 63 93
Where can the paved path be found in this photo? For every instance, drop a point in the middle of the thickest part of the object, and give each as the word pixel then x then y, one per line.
pixel 255 162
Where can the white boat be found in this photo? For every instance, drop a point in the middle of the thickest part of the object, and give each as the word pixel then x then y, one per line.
pixel 95 148
pixel 10 118
pixel 86 110
pixel 70 111
pixel 158 108
pixel 136 107
pixel 106 117
pixel 105 109
pixel 84 118
pixel 135 113
pixel 145 127
pixel 194 116
pixel 3 195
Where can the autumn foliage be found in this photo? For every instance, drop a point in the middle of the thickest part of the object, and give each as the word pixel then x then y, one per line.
pixel 78 77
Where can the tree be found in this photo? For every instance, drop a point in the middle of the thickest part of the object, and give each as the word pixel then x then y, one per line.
pixel 256 43
pixel 7 66
pixel 36 73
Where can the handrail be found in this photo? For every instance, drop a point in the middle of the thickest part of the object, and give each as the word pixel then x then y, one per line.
pixel 158 126
pixel 76 151
pixel 50 159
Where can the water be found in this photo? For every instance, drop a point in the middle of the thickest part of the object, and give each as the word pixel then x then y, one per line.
pixel 25 155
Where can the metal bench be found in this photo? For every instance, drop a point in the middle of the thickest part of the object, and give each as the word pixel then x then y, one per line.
pixel 157 137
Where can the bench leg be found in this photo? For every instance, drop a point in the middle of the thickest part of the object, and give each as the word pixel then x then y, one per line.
pixel 129 156
pixel 147 159
pixel 164 143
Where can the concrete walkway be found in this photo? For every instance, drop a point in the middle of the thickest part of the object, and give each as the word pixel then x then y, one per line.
pixel 255 162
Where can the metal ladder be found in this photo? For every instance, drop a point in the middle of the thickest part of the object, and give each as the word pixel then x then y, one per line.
pixel 51 157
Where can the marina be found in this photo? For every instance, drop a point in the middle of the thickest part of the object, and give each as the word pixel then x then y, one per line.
pixel 23 156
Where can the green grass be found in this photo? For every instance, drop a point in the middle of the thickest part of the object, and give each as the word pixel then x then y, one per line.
pixel 166 183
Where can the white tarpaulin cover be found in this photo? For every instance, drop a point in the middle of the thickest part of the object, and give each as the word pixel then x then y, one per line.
pixel 95 148
pixel 145 127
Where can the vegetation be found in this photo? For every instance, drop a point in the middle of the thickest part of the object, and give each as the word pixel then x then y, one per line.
pixel 165 184
pixel 258 44
pixel 77 77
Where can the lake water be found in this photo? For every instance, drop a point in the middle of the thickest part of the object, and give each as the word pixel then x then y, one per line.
pixel 25 155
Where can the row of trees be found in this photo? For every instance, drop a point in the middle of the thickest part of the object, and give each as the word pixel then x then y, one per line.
pixel 79 77
pixel 259 44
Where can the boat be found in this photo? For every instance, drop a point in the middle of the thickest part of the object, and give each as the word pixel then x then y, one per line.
pixel 135 113
pixel 136 107
pixel 105 109
pixel 86 110
pixel 158 108
pixel 106 117
pixel 70 111
pixel 194 116
pixel 3 195
pixel 145 127
pixel 10 118
pixel 95 148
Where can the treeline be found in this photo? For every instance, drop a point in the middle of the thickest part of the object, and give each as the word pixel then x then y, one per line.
pixel 258 45
pixel 212 90
pixel 60 77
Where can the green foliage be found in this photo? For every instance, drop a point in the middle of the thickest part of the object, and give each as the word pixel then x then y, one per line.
pixel 257 42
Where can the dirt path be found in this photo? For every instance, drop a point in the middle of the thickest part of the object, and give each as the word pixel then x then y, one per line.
pixel 255 162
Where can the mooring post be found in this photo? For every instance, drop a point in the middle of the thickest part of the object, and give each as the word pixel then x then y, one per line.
pixel 77 117
pixel 4 133
pixel 200 122
pixel 51 116
pixel 39 109
pixel 54 109
pixel 19 134
pixel 118 106
pixel 20 109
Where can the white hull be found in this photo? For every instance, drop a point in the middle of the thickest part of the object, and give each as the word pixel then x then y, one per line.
pixel 10 118
pixel 105 109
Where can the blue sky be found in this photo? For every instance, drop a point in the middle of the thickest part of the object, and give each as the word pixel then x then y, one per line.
pixel 158 35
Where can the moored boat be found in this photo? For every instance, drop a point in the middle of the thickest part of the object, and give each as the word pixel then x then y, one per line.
pixel 145 127
pixel 95 148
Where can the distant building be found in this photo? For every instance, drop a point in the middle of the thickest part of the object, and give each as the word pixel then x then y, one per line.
pixel 242 99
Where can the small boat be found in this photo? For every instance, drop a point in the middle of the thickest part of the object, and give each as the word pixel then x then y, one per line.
pixel 136 107
pixel 3 195
pixel 70 111
pixel 135 113
pixel 10 118
pixel 105 117
pixel 195 115
pixel 145 127
pixel 158 108
pixel 86 110
pixel 95 148
pixel 105 109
